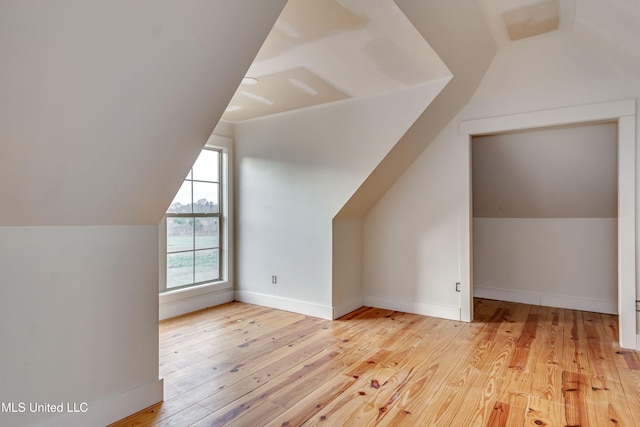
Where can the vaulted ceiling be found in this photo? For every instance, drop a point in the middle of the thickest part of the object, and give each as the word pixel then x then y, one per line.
pixel 326 51
pixel 105 105
pixel 322 52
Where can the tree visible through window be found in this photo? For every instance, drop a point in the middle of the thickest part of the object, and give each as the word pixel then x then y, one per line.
pixel 193 225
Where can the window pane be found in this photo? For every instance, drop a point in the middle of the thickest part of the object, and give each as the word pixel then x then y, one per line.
pixel 179 234
pixel 206 167
pixel 179 269
pixel 205 197
pixel 182 201
pixel 194 242
pixel 207 233
pixel 207 265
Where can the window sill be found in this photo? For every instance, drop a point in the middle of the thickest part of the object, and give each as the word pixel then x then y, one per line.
pixel 182 301
pixel 193 291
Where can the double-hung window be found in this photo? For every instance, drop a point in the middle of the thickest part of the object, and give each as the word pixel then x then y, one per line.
pixel 194 224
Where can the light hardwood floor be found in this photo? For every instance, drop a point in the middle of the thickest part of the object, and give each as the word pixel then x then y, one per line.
pixel 515 365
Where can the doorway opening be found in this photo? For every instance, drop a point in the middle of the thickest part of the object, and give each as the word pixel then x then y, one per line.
pixel 545 216
pixel 623 114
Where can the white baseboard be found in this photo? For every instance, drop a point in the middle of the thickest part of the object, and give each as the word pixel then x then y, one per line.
pixel 523 297
pixel 549 300
pixel 177 303
pixel 110 410
pixel 346 307
pixel 280 303
pixel 408 306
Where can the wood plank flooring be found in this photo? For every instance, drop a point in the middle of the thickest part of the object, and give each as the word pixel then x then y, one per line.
pixel 515 365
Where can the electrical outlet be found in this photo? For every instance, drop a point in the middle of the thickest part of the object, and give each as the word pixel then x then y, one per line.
pixel 457 286
pixel 274 279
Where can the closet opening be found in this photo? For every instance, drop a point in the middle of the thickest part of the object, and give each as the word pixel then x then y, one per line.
pixel 622 115
pixel 545 216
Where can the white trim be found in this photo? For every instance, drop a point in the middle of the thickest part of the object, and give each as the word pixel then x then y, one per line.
pixel 638 342
pixel 465 241
pixel 228 240
pixel 287 304
pixel 627 230
pixel 559 116
pixel 195 298
pixel 346 307
pixel 548 300
pixel 408 306
pixel 625 113
pixel 108 411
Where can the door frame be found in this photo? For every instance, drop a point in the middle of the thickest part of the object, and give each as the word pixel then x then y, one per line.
pixel 624 113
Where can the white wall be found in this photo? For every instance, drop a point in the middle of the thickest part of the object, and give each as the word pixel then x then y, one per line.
pixel 347 266
pixel 419 219
pixel 294 172
pixel 410 250
pixel 78 308
pixel 557 262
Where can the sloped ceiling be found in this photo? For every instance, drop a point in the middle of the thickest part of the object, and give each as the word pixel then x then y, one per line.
pixel 325 51
pixel 457 30
pixel 511 20
pixel 322 52
pixel 557 172
pixel 612 29
pixel 104 105
pixel 461 37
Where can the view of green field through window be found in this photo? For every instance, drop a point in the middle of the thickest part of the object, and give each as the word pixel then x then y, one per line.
pixel 193 225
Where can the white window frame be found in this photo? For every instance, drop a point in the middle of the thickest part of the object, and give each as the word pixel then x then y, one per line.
pixel 174 302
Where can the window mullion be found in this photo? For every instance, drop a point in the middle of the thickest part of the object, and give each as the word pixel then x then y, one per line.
pixel 196 215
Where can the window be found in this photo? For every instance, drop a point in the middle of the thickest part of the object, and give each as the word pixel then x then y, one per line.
pixel 194 222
